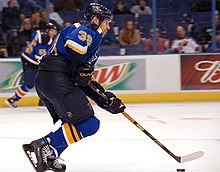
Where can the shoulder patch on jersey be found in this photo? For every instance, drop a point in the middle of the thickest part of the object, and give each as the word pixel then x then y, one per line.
pixel 77 24
pixel 99 30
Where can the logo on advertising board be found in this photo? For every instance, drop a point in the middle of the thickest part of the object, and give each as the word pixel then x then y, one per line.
pixel 200 72
pixel 112 76
pixel 12 81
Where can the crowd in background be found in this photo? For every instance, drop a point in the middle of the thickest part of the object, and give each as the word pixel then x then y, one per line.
pixel 19 18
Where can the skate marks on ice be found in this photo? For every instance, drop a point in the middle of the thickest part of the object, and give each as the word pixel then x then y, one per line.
pixel 120 146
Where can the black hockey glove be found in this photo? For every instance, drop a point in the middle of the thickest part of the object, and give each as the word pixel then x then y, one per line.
pixel 84 75
pixel 113 105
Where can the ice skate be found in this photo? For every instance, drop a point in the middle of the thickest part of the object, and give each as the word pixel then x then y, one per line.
pixel 11 102
pixel 45 157
pixel 54 165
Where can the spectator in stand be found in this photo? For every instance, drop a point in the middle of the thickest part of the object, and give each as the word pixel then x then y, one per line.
pixel 129 35
pixel 11 16
pixel 56 17
pixel 210 49
pixel 141 8
pixel 67 24
pixel 3 49
pixel 11 21
pixel 217 22
pixel 206 34
pixel 24 36
pixel 43 20
pixel 121 8
pixel 184 44
pixel 22 4
pixel 31 6
pixel 35 20
pixel 4 3
pixel 69 5
pixel 162 43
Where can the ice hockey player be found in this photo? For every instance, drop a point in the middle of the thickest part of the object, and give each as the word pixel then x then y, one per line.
pixel 64 82
pixel 40 43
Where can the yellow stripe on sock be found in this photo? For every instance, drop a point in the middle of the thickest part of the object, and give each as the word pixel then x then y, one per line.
pixel 68 133
pixel 75 133
pixel 20 92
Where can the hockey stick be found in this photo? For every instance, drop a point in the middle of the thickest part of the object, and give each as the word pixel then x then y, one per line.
pixel 180 159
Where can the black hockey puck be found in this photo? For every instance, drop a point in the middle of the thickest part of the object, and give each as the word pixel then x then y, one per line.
pixel 180 170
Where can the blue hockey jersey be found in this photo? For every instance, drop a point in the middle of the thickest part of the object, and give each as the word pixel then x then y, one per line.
pixel 83 37
pixel 40 43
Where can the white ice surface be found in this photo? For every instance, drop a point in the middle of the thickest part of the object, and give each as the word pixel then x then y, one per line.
pixel 119 146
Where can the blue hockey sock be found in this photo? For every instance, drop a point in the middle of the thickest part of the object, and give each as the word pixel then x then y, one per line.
pixel 21 91
pixel 68 133
pixel 63 137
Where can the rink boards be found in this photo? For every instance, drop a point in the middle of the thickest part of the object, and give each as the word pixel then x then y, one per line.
pixel 136 79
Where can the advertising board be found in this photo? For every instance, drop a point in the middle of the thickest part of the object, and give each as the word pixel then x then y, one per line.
pixel 200 72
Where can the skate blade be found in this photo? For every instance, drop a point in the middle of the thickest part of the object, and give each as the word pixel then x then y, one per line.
pixel 27 150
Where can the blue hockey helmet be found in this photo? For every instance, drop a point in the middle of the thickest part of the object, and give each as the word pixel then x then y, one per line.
pixel 51 26
pixel 95 9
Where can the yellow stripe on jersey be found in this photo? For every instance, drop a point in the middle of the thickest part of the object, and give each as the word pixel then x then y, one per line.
pixel 39 36
pixel 76 47
pixel 38 57
pixel 29 48
pixel 54 50
pixel 29 59
pixel 50 41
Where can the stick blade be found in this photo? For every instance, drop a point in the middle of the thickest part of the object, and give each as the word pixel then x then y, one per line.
pixel 191 156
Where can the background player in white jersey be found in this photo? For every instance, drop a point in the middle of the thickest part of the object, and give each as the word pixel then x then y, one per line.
pixel 41 42
pixel 63 83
